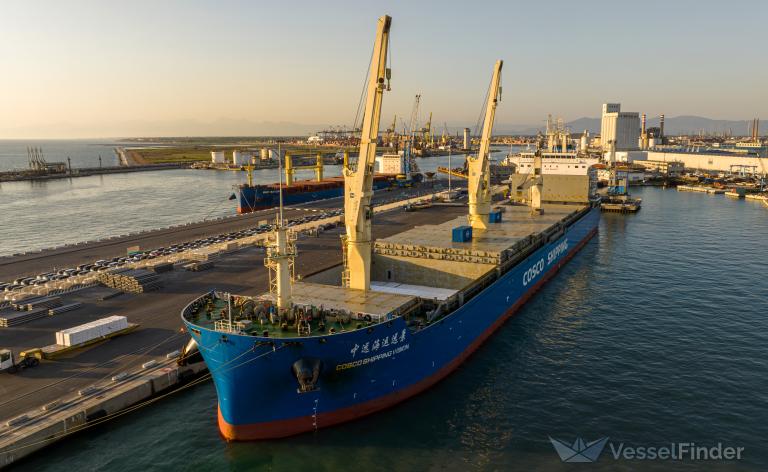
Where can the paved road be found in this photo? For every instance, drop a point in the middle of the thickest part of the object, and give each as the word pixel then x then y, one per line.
pixel 158 313
pixel 71 256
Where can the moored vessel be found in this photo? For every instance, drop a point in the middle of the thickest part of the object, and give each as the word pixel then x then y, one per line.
pixel 407 309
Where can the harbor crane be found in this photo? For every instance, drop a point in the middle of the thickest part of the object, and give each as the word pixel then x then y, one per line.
pixel 410 140
pixel 478 167
pixel 414 118
pixel 358 183
pixel 427 132
pixel 392 133
pixel 446 136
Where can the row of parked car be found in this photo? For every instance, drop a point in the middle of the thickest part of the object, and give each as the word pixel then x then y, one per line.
pixel 105 264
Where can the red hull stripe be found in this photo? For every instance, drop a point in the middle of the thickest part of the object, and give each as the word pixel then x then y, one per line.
pixel 293 426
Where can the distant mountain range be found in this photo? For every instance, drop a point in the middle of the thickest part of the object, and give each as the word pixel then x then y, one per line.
pixel 672 125
pixel 244 127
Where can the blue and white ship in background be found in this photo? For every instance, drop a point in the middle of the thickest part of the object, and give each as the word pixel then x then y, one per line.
pixel 408 309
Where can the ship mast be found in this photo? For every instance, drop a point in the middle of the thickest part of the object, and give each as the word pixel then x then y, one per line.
pixel 479 176
pixel 358 184
pixel 281 254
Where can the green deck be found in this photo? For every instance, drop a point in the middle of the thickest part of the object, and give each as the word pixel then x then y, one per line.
pixel 344 310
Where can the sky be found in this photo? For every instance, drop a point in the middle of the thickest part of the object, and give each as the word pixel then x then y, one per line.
pixel 86 69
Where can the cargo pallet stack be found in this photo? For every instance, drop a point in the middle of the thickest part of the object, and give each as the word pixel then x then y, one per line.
pixel 161 267
pixel 131 280
pixel 12 318
pixel 28 309
pixel 44 302
pixel 64 308
pixel 29 303
pixel 198 266
pixel 204 255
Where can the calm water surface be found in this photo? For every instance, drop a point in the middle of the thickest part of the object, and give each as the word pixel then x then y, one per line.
pixel 42 214
pixel 656 332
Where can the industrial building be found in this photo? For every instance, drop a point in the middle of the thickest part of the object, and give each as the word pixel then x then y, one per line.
pixel 714 161
pixel 621 128
pixel 217 157
pixel 674 160
pixel 241 158
pixel 633 176
pixel 651 137
pixel 668 168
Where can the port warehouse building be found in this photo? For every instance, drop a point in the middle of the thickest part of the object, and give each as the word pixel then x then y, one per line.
pixel 705 161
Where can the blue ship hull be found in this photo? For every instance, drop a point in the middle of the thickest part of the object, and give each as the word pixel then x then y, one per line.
pixel 365 371
pixel 254 198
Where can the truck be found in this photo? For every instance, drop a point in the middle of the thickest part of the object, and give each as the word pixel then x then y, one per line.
pixel 8 362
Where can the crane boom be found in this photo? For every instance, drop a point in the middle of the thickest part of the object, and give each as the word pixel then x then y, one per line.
pixel 428 131
pixel 478 167
pixel 414 117
pixel 358 184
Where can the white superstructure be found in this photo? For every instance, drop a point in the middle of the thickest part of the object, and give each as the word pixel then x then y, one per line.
pixel 566 177
pixel 553 163
pixel 390 164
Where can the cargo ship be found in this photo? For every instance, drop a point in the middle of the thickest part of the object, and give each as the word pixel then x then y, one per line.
pixel 407 309
pixel 252 197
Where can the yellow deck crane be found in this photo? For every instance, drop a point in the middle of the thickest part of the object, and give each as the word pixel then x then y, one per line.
pixel 478 167
pixel 290 168
pixel 358 183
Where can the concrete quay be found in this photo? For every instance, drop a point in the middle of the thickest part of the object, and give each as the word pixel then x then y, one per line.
pixel 33 430
pixel 17 176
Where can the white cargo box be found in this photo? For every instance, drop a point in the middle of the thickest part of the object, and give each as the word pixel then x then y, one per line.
pixel 90 331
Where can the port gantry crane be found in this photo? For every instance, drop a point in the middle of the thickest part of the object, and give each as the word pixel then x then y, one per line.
pixel 446 136
pixel 358 183
pixel 414 120
pixel 427 132
pixel 478 167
